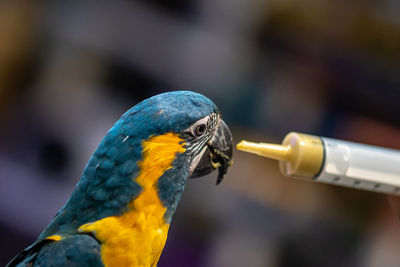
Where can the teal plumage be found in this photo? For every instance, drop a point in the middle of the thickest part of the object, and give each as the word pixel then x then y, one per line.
pixel 108 184
pixel 76 250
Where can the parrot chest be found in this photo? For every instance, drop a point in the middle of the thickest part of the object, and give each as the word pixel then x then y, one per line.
pixel 134 239
pixel 137 237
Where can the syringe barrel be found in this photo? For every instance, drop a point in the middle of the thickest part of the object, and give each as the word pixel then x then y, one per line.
pixel 333 161
pixel 360 166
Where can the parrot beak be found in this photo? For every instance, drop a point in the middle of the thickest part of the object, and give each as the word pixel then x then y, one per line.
pixel 216 155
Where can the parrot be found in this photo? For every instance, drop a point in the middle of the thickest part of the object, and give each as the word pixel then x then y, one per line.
pixel 121 209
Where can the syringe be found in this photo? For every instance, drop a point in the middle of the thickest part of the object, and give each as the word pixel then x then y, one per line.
pixel 333 161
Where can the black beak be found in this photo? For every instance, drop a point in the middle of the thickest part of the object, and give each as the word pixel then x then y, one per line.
pixel 217 155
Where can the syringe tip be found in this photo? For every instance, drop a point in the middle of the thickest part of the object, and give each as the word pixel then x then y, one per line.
pixel 242 145
pixel 273 151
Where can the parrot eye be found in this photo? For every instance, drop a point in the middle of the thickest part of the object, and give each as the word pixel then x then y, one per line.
pixel 200 129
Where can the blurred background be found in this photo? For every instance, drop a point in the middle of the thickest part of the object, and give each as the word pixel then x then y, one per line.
pixel 69 69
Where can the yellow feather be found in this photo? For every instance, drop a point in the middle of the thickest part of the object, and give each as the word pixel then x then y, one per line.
pixel 137 237
pixel 54 237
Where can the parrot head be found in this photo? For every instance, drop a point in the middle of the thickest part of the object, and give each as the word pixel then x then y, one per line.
pixel 196 119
